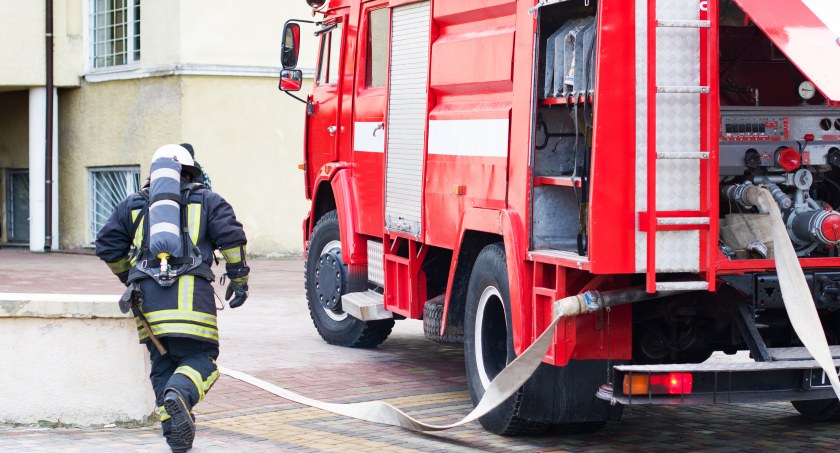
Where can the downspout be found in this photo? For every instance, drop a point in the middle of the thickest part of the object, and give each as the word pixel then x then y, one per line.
pixel 49 132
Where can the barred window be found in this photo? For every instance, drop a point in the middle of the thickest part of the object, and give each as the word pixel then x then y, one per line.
pixel 116 32
pixel 108 187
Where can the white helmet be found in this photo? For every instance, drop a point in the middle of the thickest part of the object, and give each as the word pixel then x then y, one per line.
pixel 180 154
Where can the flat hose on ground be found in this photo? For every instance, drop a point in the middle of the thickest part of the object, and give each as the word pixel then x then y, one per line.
pixel 506 383
pixel 798 303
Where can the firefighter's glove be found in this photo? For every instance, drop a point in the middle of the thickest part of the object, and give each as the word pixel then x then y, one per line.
pixel 238 289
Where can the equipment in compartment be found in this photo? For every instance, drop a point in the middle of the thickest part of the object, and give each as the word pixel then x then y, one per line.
pixel 570 60
pixel 789 151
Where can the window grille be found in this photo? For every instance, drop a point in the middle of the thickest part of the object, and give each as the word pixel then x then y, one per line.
pixel 108 187
pixel 116 32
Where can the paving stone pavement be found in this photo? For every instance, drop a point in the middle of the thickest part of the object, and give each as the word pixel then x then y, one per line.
pixel 273 338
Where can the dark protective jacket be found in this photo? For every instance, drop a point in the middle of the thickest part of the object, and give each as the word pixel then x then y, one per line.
pixel 187 308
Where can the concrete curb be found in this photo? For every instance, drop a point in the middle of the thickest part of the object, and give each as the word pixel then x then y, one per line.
pixel 77 306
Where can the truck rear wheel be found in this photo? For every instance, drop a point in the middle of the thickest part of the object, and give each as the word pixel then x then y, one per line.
pixel 488 341
pixel 432 319
pixel 325 281
pixel 818 410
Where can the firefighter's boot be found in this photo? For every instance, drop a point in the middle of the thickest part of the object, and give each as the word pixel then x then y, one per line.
pixel 182 425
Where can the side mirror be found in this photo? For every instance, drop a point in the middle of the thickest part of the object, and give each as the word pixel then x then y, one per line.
pixel 291 45
pixel 291 80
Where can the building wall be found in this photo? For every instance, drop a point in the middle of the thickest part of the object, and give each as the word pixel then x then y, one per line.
pixel 22 55
pixel 110 124
pixel 223 32
pixel 249 138
pixel 247 133
pixel 14 143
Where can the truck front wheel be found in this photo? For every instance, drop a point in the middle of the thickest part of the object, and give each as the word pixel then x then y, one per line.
pixel 488 341
pixel 325 280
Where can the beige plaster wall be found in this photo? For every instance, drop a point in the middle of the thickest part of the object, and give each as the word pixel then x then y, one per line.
pixel 224 32
pixel 110 124
pixel 249 138
pixel 160 32
pixel 22 55
pixel 247 135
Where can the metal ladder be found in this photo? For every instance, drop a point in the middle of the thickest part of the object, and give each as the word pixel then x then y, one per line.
pixel 706 218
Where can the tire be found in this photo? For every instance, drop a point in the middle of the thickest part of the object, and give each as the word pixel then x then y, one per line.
pixel 432 320
pixel 324 290
pixel 488 341
pixel 819 410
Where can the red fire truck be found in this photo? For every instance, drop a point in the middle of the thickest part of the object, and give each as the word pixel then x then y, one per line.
pixel 469 162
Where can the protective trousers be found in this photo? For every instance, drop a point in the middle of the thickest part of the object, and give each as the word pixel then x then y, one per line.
pixel 189 367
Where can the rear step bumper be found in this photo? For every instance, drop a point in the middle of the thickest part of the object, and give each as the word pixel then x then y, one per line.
pixel 792 376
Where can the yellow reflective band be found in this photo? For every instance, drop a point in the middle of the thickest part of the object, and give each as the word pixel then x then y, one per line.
pixel 214 376
pixel 233 255
pixel 118 267
pixel 138 235
pixel 179 315
pixel 194 215
pixel 186 285
pixel 201 385
pixel 195 377
pixel 163 415
pixel 210 333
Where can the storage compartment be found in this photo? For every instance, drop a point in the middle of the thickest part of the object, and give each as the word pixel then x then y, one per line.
pixel 563 125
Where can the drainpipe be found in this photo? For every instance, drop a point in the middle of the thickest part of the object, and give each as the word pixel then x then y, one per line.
pixel 49 132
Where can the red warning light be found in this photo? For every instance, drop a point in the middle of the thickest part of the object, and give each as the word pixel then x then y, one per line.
pixel 671 383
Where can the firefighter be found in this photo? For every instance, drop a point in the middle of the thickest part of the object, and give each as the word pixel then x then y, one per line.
pixel 178 304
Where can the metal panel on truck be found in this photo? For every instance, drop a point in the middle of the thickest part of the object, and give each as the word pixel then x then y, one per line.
pixel 407 108
pixel 677 130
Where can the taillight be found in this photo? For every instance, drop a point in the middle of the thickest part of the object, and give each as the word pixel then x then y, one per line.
pixel 658 384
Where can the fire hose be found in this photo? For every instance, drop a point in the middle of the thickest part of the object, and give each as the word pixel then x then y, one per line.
pixel 795 292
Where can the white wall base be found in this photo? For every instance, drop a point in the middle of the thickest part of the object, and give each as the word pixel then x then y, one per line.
pixel 71 359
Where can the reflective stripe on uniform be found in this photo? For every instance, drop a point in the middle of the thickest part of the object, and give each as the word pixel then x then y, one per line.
pixel 138 235
pixel 186 287
pixel 233 255
pixel 118 267
pixel 194 216
pixel 180 315
pixel 182 328
pixel 201 385
pixel 163 415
